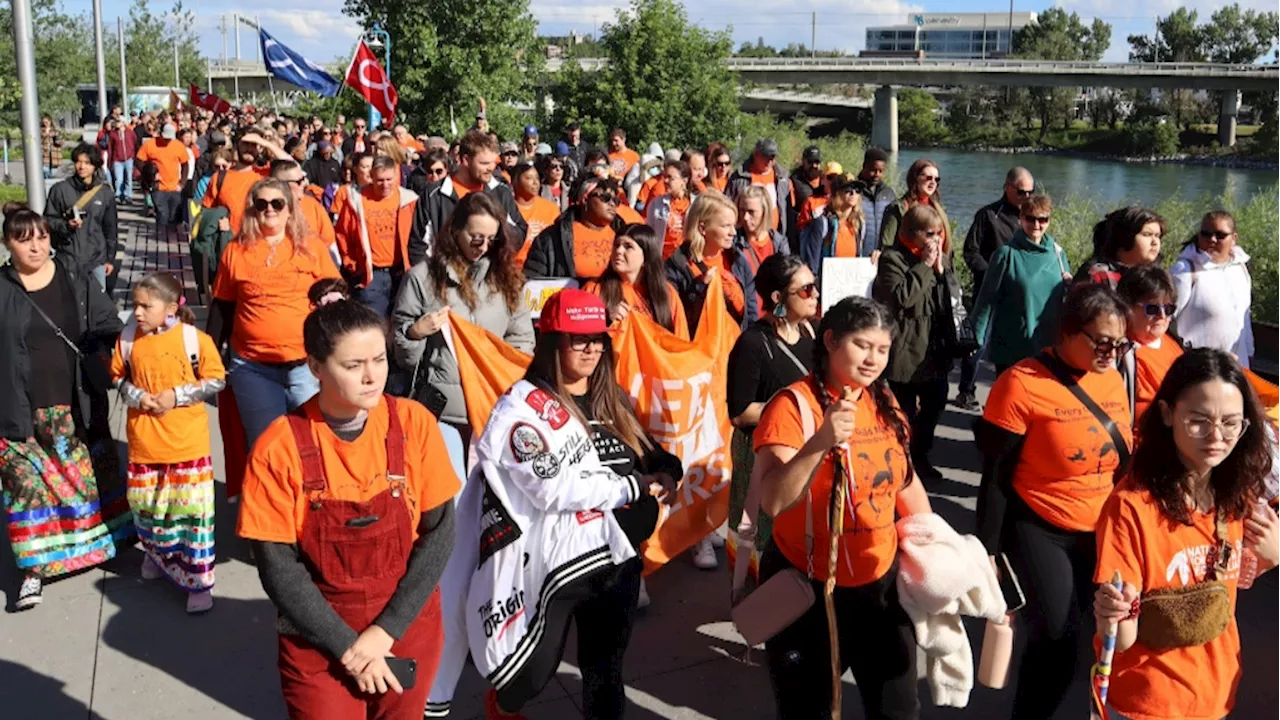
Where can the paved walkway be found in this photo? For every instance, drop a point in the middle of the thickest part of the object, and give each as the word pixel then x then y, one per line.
pixel 105 644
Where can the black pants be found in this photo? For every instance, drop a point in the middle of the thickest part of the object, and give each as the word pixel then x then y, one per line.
pixel 932 398
pixel 1055 567
pixel 877 643
pixel 969 374
pixel 603 605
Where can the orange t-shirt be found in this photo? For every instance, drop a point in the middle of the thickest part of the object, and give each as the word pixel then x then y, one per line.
pixel 846 240
pixel 592 250
pixel 318 221
pixel 274 507
pixel 639 302
pixel 382 217
pixel 621 162
pixel 340 199
pixel 1067 463
pixel 269 287
pixel 812 208
pixel 769 181
pixel 1153 363
pixel 652 189
pixel 462 189
pixel 169 158
pixel 539 214
pixel 733 293
pixel 629 215
pixel 878 467
pixel 1155 553
pixel 720 183
pixel 159 362
pixel 234 193
pixel 674 235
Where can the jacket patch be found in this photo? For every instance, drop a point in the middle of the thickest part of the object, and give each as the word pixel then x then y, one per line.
pixel 549 409
pixel 497 529
pixel 526 442
pixel 586 516
pixel 546 466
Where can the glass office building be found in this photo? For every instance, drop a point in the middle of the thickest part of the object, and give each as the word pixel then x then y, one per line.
pixel 954 35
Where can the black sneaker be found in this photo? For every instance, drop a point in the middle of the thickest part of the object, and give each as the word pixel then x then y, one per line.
pixel 30 594
pixel 967 401
pixel 926 470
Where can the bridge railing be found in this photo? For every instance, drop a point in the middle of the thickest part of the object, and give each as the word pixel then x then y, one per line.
pixel 926 65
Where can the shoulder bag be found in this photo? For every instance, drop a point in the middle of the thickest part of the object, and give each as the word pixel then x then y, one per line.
pixel 96 375
pixel 1060 372
pixel 1192 615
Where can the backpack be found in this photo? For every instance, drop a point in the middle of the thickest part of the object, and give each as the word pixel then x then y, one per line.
pixel 190 343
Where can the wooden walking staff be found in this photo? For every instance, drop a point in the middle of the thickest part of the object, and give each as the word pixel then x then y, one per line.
pixel 1100 678
pixel 835 523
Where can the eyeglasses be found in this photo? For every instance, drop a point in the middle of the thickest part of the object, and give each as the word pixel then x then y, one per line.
pixel 580 343
pixel 300 182
pixel 1104 348
pixel 1037 219
pixel 1200 428
pixel 806 292
pixel 606 198
pixel 1156 309
pixel 1215 234
pixel 261 204
pixel 932 178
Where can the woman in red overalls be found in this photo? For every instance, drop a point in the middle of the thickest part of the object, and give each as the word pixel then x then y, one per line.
pixel 347 507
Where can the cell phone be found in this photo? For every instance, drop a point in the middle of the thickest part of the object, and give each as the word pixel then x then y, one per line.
pixel 405 670
pixel 1010 588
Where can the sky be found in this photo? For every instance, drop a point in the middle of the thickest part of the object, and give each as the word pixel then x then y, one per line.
pixel 319 30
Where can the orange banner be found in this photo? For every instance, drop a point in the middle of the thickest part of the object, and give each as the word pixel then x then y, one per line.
pixel 677 388
pixel 1268 394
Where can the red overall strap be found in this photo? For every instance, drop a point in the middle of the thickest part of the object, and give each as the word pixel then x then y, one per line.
pixel 395 441
pixel 313 477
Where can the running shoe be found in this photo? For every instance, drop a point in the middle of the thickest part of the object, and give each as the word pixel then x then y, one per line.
pixel 199 602
pixel 150 570
pixel 704 555
pixel 30 594
pixel 493 712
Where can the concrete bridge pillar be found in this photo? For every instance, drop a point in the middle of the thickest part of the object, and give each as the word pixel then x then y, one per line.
pixel 884 119
pixel 1227 119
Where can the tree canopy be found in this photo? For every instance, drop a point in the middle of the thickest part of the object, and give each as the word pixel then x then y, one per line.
pixel 1232 35
pixel 1059 35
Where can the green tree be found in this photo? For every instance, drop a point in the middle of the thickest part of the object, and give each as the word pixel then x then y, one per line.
pixel 149 40
pixel 918 117
pixel 1177 39
pixel 666 80
pixel 1057 35
pixel 1240 36
pixel 63 59
pixel 446 55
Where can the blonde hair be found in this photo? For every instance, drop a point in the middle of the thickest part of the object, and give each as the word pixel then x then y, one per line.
pixel 755 192
pixel 707 204
pixel 388 146
pixel 295 227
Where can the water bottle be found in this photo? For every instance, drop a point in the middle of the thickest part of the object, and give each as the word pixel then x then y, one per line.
pixel 997 654
pixel 1248 569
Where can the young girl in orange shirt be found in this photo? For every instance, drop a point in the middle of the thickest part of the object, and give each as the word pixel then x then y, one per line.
pixel 165 369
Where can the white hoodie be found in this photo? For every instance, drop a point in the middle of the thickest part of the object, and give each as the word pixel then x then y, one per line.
pixel 1213 302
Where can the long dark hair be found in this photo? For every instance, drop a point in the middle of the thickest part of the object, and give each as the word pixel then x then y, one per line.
pixel 652 278
pixel 1157 467
pixel 609 405
pixel 503 277
pixel 851 315
pixel 329 323
pixel 1119 229
pixel 774 276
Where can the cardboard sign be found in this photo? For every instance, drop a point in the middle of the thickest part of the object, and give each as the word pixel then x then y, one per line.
pixel 846 277
pixel 537 292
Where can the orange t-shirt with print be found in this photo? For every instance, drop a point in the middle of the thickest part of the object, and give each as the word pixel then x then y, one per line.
pixel 733 293
pixel 539 215
pixel 159 362
pixel 274 506
pixel 382 218
pixel 621 162
pixel 638 301
pixel 169 158
pixel 318 221
pixel 674 235
pixel 1067 463
pixel 1155 553
pixel 234 193
pixel 878 467
pixel 269 287
pixel 592 249
pixel 1152 364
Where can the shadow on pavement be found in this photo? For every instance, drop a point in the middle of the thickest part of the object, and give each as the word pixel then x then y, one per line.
pixel 28 694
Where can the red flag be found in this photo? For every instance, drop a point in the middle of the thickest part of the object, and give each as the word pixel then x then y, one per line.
pixel 208 100
pixel 366 76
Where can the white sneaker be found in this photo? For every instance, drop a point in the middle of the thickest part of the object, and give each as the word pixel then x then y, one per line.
pixel 30 594
pixel 717 540
pixel 704 555
pixel 150 570
pixel 200 602
pixel 642 601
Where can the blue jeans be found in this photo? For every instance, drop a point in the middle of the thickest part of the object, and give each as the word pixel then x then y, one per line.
pixel 100 274
pixel 265 392
pixel 122 172
pixel 381 290
pixel 457 449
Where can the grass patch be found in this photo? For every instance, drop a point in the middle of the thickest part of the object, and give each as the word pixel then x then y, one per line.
pixel 13 193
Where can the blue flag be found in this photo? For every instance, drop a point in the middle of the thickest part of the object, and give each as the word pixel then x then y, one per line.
pixel 289 66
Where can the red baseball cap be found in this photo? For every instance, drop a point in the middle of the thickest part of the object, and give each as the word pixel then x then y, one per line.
pixel 573 311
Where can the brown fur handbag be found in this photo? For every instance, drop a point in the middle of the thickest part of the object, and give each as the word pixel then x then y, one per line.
pixel 1192 615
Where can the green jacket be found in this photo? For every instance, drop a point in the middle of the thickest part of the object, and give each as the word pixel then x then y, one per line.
pixel 1019 298
pixel 893 218
pixel 207 244
pixel 920 302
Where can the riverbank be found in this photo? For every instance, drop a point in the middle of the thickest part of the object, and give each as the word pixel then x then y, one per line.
pixel 1222 161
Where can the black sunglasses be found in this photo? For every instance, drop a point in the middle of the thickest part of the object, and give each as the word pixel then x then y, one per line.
pixel 1104 348
pixel 1215 234
pixel 1024 193
pixel 1039 219
pixel 438 171
pixel 277 204
pixel 604 197
pixel 1154 309
pixel 725 163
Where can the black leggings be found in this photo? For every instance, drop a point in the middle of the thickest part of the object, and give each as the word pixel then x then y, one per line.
pixel 603 605
pixel 932 396
pixel 877 643
pixel 1055 567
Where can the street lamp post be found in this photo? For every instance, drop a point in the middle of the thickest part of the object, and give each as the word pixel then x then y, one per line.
pixel 379 38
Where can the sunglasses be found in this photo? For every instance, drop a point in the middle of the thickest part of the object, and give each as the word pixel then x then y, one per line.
pixel 300 182
pixel 806 292
pixel 1024 193
pixel 579 343
pixel 437 172
pixel 261 204
pixel 1156 309
pixel 1215 234
pixel 726 163
pixel 932 178
pixel 1104 348
pixel 555 166
pixel 606 198
pixel 1037 219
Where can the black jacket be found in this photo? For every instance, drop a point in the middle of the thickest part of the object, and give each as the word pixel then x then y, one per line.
pixel 693 292
pixel 323 172
pixel 802 191
pixel 551 254
pixel 437 204
pixel 94 243
pixel 993 226
pixel 920 301
pixel 96 337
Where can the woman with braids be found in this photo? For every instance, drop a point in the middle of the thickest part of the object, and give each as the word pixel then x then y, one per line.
pixel 861 439
pixel 1185 517
pixel 636 281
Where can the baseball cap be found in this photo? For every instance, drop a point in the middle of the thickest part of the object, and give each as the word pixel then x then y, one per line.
pixel 812 154
pixel 510 147
pixel 324 145
pixel 844 181
pixel 573 311
pixel 562 148
pixel 169 132
pixel 767 147
pixel 832 168
pixel 217 138
pixel 542 149
pixel 530 131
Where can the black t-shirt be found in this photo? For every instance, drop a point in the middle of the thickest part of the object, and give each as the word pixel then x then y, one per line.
pixel 759 366
pixel 51 380
pixel 638 519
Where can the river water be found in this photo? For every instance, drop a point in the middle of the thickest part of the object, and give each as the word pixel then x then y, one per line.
pixel 973 179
